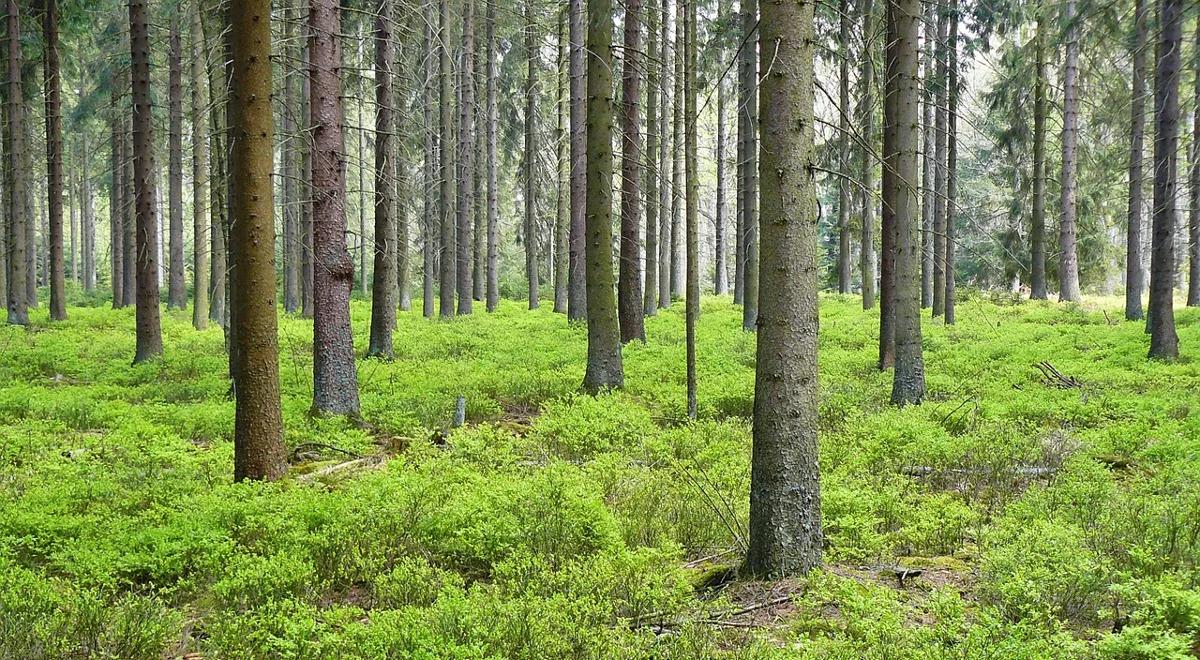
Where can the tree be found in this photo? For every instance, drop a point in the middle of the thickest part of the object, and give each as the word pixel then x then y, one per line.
pixel 383 285
pixel 941 133
pixel 200 217
pixel 562 171
pixel 149 332
pixel 629 278
pixel 430 221
pixel 259 452
pixel 866 193
pixel 692 210
pixel 1193 297
pixel 667 188
pixel 335 383
pixel 577 268
pixel 928 155
pixel 1041 111
pixel 18 313
pixel 218 183
pixel 1164 343
pixel 653 131
pixel 843 257
pixel 54 162
pixel 951 161
pixel 116 199
pixel 900 160
pixel 785 499
pixel 720 269
pixel 677 158
pixel 493 191
pixel 1134 275
pixel 466 160
pixel 604 368
pixel 1068 262
pixel 290 151
pixel 748 101
pixel 531 155
pixel 446 270
pixel 176 289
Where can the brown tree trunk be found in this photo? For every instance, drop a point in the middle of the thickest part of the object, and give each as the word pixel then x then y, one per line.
pixel 562 172
pixel 929 156
pixel 1164 342
pixel 678 192
pixel 129 218
pixel 785 495
pixel 290 149
pixel 666 149
pixel 430 218
pixel 447 271
pixel 951 161
pixel 867 157
pixel 54 163
pixel 941 117
pixel 149 333
pixel 466 160
pixel 116 201
pixel 604 367
pixel 692 207
pixel 1193 297
pixel 1134 275
pixel 843 141
pixel 218 179
pixel 1037 232
pixel 653 53
pixel 259 452
pixel 531 155
pixel 577 269
pixel 335 383
pixel 200 193
pixel 493 191
pixel 749 103
pixel 176 288
pixel 383 284
pixel 1068 262
pixel 14 137
pixel 629 278
pixel 720 267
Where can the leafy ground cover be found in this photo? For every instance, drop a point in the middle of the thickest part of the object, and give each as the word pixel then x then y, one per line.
pixel 1017 513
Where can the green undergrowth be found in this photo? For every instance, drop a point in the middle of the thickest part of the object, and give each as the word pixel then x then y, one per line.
pixel 1047 521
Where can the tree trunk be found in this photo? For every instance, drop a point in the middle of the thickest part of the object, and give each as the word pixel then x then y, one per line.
pixel 290 148
pixel 218 179
pixel 1068 266
pixel 677 157
pixel 1193 297
pixel 87 219
pixel 493 189
pixel 900 154
pixel 14 137
pixel 629 279
pixel 653 53
pixel 479 230
pixel 149 333
pixel 335 384
pixel 304 184
pixel 404 193
pixel 176 288
pixel 604 368
pixel 866 193
pixel 1164 343
pixel 1037 232
pixel 577 273
pixel 692 212
pixel 929 156
pixel 951 161
pixel 259 452
pixel 466 160
pixel 941 117
pixel 447 271
pixel 430 223
pixel 531 155
pixel 666 137
pixel 129 227
pixel 116 201
pixel 785 499
pixel 54 164
pixel 749 103
pixel 720 268
pixel 562 173
pixel 843 142
pixel 383 285
pixel 200 215
pixel 1134 275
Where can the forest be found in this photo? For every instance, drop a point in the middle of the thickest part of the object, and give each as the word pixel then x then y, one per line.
pixel 676 329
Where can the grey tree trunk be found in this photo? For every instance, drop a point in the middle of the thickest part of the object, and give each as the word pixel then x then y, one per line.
pixel 666 137
pixel 335 383
pixel 531 155
pixel 383 283
pixel 218 180
pixel 466 161
pixel 677 158
pixel 1164 343
pixel 562 171
pixel 653 53
pixel 929 157
pixel 1068 264
pixel 692 211
pixel 430 222
pixel 866 194
pixel 200 217
pixel 951 162
pixel 577 271
pixel 405 193
pixel 629 278
pixel 720 268
pixel 1193 297
pixel 129 227
pixel 843 257
pixel 446 270
pixel 116 201
pixel 176 287
pixel 54 163
pixel 149 333
pixel 288 147
pixel 941 53
pixel 749 102
pixel 900 154
pixel 1037 232
pixel 785 496
pixel 14 137
pixel 604 368
pixel 493 191
pixel 1134 275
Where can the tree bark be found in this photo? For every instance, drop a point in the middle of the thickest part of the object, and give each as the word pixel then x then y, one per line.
pixel 720 267
pixel 1037 232
pixel 116 200
pixel 785 500
pixel 629 279
pixel 176 288
pixel 54 163
pixel 666 136
pixel 900 154
pixel 149 332
pixel 749 103
pixel 577 271
pixel 941 117
pixel 447 270
pixel 14 136
pixel 653 53
pixel 466 161
pixel 290 149
pixel 430 222
pixel 383 284
pixel 259 451
pixel 951 162
pixel 129 218
pixel 867 156
pixel 218 179
pixel 335 383
pixel 692 211
pixel 678 193
pixel 404 192
pixel 604 368
pixel 531 155
pixel 562 172
pixel 1193 297
pixel 929 156
pixel 1134 275
pixel 843 142
pixel 493 190
pixel 1068 266
pixel 1164 343
pixel 200 215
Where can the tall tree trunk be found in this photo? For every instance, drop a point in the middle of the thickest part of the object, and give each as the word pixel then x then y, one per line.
pixel 129 208
pixel 430 223
pixel 1164 343
pixel 14 137
pixel 479 180
pixel 739 231
pixel 87 219
pixel 562 173
pixel 1037 232
pixel 54 163
pixel 1068 264
pixel 604 368
pixel 383 285
pixel 900 154
pixel 361 135
pixel 493 189
pixel 951 161
pixel 466 160
pixel 666 149
pixel 200 193
pixel 404 193
pixel 447 272
pixel 304 182
pixel 577 271
pixel 929 156
pixel 843 257
pixel 149 333
pixel 941 116
pixel 749 103
pixel 653 52
pixel 866 193
pixel 72 184
pixel 1134 275
pixel 335 383
pixel 1193 297
pixel 176 288
pixel 629 279
pixel 28 197
pixel 116 200
pixel 678 192
pixel 785 495
pixel 692 211
pixel 720 268
pixel 259 452
pixel 290 148
pixel 218 179
pixel 531 155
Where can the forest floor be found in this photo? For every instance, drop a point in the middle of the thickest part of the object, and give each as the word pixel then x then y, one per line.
pixel 1043 502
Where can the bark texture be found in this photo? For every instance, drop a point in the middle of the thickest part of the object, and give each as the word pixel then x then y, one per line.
pixel 577 269
pixel 466 162
pixel 149 332
pixel 200 218
pixel 749 104
pixel 1164 342
pixel 1037 230
pixel 54 162
pixel 629 277
pixel 14 138
pixel 383 284
pixel 176 288
pixel 1135 277
pixel 1068 259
